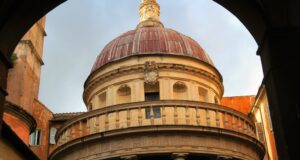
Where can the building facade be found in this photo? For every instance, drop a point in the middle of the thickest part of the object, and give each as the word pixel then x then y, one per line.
pixel 153 93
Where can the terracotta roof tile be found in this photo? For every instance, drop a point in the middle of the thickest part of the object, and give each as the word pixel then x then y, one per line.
pixel 65 116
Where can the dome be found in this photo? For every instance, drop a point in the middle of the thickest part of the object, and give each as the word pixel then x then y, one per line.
pixel 150 40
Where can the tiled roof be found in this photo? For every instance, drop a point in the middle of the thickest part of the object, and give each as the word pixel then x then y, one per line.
pixel 65 116
pixel 150 40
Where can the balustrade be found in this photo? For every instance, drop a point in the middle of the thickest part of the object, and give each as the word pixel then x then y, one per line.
pixel 171 113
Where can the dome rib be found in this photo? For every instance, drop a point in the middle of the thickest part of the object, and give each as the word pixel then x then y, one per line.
pixel 150 40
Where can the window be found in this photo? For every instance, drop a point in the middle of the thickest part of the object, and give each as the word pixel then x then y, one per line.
pixel 35 137
pixel 52 135
pixel 151 92
pixel 156 112
pixel 152 96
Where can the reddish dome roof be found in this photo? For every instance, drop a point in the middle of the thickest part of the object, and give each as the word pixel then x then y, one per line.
pixel 150 40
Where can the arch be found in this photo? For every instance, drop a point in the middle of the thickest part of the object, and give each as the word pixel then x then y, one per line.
pixel 123 94
pixel 19 20
pixel 16 17
pixel 180 91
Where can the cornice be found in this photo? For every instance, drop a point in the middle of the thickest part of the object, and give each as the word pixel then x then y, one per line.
pixel 17 111
pixel 152 54
pixel 165 129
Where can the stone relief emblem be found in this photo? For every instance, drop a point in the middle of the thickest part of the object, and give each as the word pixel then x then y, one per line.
pixel 151 73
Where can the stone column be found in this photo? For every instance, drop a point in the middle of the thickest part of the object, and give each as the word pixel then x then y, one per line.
pixel 179 156
pixel 130 157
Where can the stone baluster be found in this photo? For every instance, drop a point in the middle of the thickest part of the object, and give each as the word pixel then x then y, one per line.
pixel 97 125
pixel 245 126
pixel 117 120
pixel 106 122
pixel 67 135
pixel 187 115
pixel 164 119
pixel 233 122
pixel 226 119
pixel 239 123
pixel 73 131
pixel 198 116
pixel 175 115
pixel 151 115
pixel 80 128
pixel 207 117
pixel 179 156
pixel 217 118
pixel 88 127
pixel 140 116
pixel 128 118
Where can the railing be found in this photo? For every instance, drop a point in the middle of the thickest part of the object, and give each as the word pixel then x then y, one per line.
pixel 172 113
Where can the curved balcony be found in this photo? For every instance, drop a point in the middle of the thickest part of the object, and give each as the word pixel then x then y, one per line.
pixel 154 116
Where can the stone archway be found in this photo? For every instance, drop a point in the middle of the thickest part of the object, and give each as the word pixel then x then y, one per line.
pixel 274 25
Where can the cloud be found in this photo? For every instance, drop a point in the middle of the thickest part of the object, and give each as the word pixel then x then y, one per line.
pixel 78 30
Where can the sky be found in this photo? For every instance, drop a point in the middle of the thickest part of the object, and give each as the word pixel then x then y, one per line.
pixel 78 30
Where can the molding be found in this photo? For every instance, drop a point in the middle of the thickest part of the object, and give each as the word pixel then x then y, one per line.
pixel 34 51
pixel 19 112
pixel 152 54
pixel 91 83
pixel 176 130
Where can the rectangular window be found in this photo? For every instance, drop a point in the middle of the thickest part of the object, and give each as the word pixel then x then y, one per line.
pixel 35 138
pixel 153 96
pixel 156 112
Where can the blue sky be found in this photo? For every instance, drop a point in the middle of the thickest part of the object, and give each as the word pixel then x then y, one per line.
pixel 78 30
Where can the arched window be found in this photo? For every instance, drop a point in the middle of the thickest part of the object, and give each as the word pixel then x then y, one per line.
pixel 180 91
pixel 124 94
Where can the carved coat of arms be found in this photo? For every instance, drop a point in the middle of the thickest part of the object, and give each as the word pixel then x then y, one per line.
pixel 151 73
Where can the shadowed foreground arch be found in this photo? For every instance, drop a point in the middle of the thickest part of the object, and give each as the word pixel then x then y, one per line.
pixel 274 25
